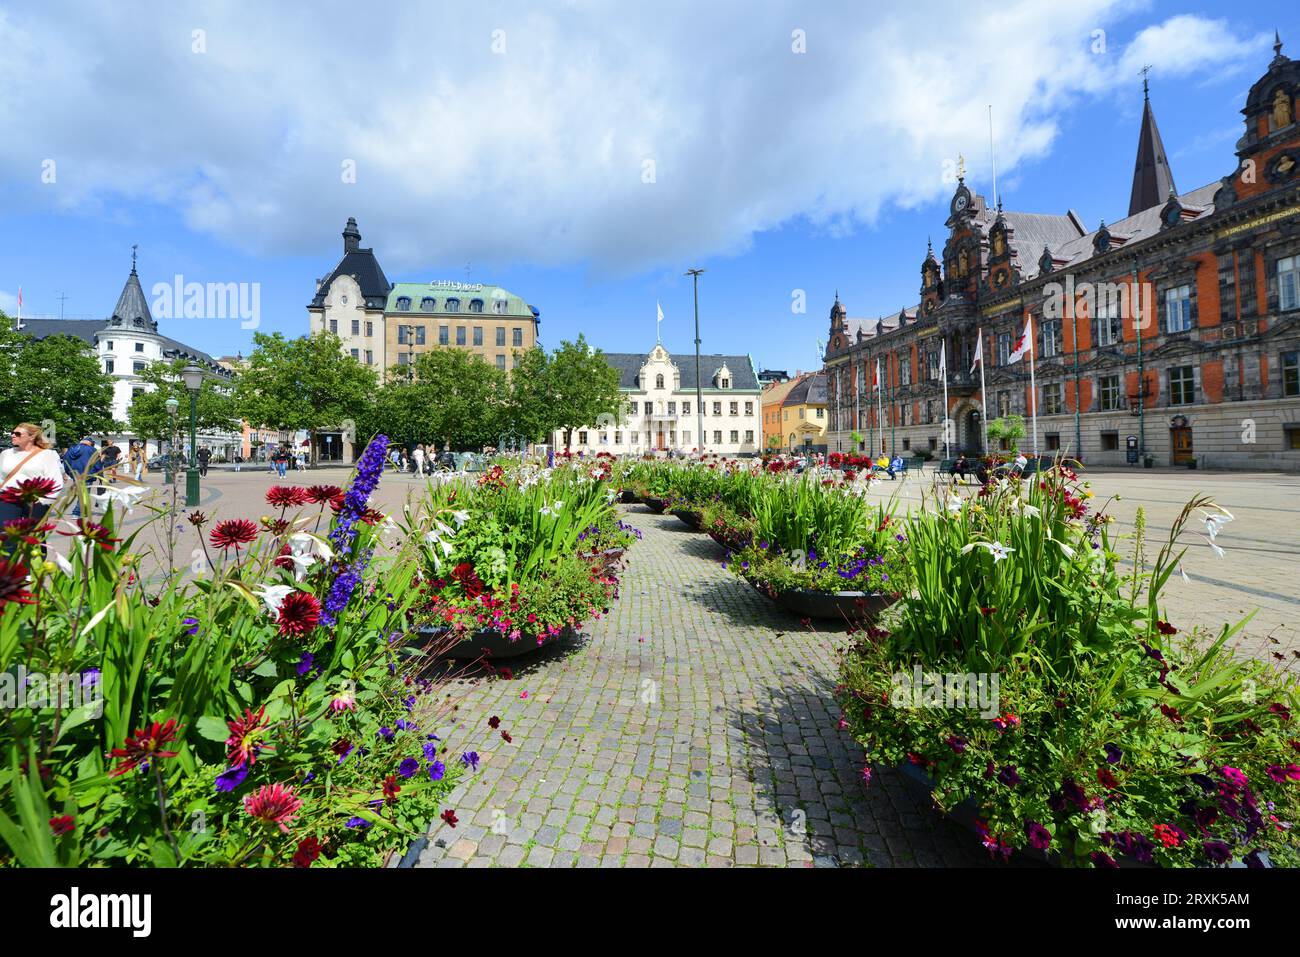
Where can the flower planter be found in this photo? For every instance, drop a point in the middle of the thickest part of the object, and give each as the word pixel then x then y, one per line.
pixel 690 518
pixel 967 812
pixel 627 497
pixel 656 505
pixel 492 644
pixel 836 605
pixel 727 537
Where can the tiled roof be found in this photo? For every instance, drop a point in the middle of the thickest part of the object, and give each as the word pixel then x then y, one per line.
pixel 743 376
pixel 809 390
pixel 83 329
pixel 465 292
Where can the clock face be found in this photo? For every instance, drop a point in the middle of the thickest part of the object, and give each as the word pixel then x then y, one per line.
pixel 960 202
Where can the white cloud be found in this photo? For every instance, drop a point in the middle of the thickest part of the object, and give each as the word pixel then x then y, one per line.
pixel 539 152
pixel 8 303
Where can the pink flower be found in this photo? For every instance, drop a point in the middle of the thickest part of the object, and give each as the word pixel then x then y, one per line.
pixel 523 694
pixel 273 804
pixel 1236 779
pixel 866 775
pixel 344 701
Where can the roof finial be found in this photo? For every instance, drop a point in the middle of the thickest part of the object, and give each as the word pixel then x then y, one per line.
pixel 1146 89
pixel 134 247
pixel 961 168
pixel 1277 43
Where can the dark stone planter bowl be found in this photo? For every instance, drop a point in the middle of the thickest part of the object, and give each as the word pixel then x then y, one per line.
pixel 836 605
pixel 627 496
pixel 656 505
pixel 691 518
pixel 492 644
pixel 729 539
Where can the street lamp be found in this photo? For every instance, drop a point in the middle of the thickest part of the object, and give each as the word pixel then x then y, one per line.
pixel 699 395
pixel 192 376
pixel 172 405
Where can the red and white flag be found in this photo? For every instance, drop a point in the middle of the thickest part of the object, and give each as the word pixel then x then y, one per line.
pixel 875 377
pixel 1025 344
pixel 979 350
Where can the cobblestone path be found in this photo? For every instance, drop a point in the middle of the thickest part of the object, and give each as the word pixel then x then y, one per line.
pixel 692 726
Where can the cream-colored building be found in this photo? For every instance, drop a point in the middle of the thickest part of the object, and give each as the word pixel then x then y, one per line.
pixel 661 411
pixel 385 324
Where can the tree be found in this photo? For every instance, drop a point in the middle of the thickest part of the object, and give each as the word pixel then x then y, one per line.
pixel 56 380
pixel 148 416
pixel 582 387
pixel 1011 428
pixel 530 410
pixel 449 396
pixel 307 383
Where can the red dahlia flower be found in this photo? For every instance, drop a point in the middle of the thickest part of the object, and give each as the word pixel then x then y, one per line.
pixel 13 584
pixel 64 824
pixel 391 789
pixel 29 491
pixel 309 849
pixel 94 534
pixel 273 804
pixel 286 496
pixel 233 532
pixel 299 613
pixel 245 740
pixel 144 745
pixel 449 816
pixel 323 494
pixel 25 530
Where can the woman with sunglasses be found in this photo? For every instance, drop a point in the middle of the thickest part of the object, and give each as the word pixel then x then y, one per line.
pixel 30 458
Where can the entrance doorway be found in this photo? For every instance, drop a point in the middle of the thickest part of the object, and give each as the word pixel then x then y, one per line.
pixel 972 437
pixel 1180 440
pixel 660 444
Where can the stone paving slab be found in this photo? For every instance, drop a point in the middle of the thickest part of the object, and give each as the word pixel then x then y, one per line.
pixel 693 726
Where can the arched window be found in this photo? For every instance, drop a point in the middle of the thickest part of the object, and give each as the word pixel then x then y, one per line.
pixel 452 305
pixel 659 382
pixel 427 304
pixel 476 305
pixel 499 307
pixel 404 303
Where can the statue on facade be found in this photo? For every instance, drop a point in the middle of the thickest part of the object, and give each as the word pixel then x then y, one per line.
pixel 1281 109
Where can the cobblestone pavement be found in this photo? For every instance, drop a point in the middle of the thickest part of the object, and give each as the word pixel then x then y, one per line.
pixel 692 726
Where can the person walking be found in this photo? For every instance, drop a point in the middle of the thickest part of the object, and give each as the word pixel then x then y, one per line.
pixel 204 456
pixel 109 453
pixel 30 457
pixel 281 460
pixel 134 460
pixel 418 456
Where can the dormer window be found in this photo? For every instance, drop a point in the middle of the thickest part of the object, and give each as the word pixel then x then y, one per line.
pixel 476 305
pixel 452 305
pixel 404 303
pixel 726 383
pixel 659 381
pixel 499 307
pixel 428 303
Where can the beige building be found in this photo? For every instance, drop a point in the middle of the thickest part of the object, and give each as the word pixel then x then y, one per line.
pixel 485 320
pixel 661 413
pixel 385 324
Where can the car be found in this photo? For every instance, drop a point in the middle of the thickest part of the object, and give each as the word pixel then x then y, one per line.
pixel 158 463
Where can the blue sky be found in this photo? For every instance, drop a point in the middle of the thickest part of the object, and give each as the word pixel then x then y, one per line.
pixel 585 158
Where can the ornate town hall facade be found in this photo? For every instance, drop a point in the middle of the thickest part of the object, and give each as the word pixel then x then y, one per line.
pixel 1178 326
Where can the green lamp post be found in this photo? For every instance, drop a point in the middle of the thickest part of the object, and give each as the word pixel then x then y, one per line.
pixel 193 378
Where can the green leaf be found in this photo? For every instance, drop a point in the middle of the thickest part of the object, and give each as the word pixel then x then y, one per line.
pixel 212 728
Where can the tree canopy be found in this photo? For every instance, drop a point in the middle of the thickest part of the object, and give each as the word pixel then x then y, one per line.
pixel 307 383
pixel 148 416
pixel 56 380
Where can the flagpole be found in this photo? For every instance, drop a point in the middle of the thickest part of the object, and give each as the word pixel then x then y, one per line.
pixel 1033 388
pixel 984 395
pixel 943 364
pixel 880 406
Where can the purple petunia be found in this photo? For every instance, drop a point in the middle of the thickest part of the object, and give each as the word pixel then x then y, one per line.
pixel 1217 851
pixel 408 767
pixel 1009 776
pixel 437 770
pixel 386 733
pixel 1113 754
pixel 431 751
pixel 470 760
pixel 305 662
pixel 1038 836
pixel 357 822
pixel 232 778
pixel 192 626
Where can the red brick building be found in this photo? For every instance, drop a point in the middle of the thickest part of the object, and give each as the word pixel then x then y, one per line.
pixel 1177 325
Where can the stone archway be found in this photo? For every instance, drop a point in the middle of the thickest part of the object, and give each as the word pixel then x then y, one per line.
pixel 968 429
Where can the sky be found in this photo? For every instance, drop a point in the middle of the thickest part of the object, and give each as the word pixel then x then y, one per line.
pixel 583 155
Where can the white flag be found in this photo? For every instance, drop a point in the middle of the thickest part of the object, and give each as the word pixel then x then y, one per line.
pixel 943 361
pixel 1025 344
pixel 979 349
pixel 660 310
pixel 875 378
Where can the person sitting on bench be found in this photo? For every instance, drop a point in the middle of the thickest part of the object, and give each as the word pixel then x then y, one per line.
pixel 895 466
pixel 960 468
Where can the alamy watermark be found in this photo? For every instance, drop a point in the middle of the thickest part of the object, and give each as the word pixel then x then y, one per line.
pixel 208 300
pixel 36 690
pixel 929 689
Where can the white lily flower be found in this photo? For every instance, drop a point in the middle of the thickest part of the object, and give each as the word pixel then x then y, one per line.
pixel 1030 510
pixel 460 518
pixel 274 596
pixel 304 543
pixel 999 551
pixel 955 503
pixel 63 563
pixel 1066 549
pixel 1183 573
pixel 301 562
pixel 1219 552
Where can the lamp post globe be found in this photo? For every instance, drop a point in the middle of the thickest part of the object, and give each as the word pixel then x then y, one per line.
pixel 193 376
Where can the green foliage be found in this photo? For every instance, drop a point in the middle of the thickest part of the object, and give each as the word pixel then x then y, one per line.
pixel 449 396
pixel 582 386
pixel 306 383
pixel 148 416
pixel 56 379
pixel 1011 428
